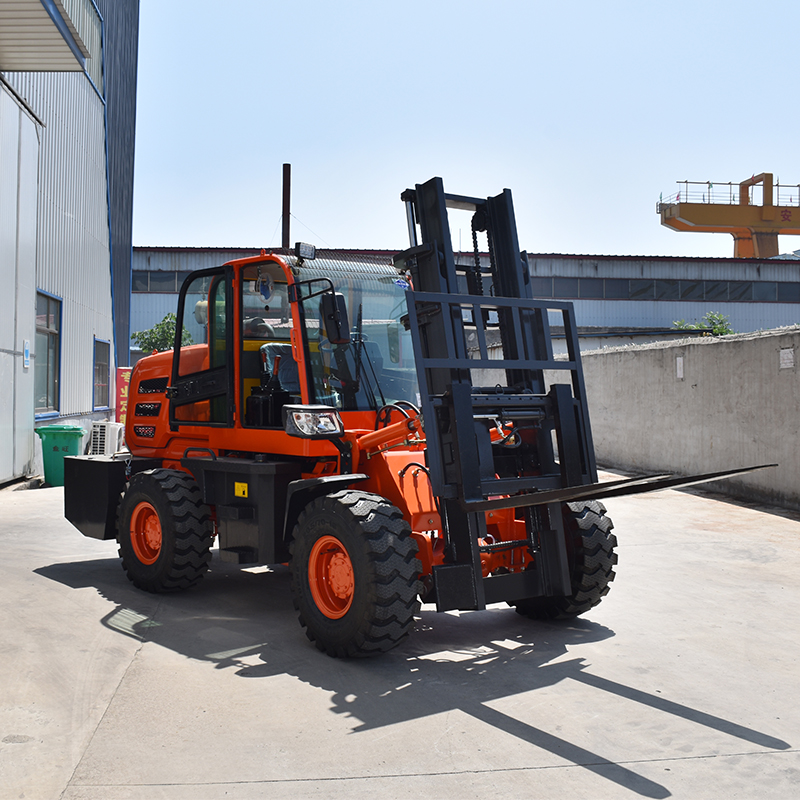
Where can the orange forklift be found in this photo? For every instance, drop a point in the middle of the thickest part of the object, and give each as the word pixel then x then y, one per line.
pixel 396 432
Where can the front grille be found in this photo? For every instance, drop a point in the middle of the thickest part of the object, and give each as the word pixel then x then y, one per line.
pixel 147 409
pixel 145 431
pixel 153 386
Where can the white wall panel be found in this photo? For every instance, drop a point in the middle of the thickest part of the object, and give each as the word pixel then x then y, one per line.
pixel 9 149
pixel 9 129
pixel 18 208
pixel 26 295
pixel 73 238
pixel 6 417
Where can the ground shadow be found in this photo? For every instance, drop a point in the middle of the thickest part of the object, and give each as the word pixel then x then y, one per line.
pixel 244 620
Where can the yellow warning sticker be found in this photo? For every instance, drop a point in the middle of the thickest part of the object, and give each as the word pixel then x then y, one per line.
pixel 240 489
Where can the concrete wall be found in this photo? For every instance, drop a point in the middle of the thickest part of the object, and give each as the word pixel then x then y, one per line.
pixel 703 405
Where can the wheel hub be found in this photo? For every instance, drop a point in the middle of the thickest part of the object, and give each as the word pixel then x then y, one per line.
pixel 340 573
pixel 146 533
pixel 330 577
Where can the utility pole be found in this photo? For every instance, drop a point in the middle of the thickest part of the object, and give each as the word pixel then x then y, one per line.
pixel 287 190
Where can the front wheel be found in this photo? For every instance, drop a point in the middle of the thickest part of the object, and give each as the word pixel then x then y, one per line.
pixel 164 531
pixel 590 550
pixel 354 574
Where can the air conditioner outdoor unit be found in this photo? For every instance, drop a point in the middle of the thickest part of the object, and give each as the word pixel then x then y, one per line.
pixel 107 438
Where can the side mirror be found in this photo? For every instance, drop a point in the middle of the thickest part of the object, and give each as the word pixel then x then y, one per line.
pixel 334 315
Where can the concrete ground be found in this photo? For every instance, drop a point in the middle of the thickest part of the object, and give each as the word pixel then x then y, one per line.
pixel 683 683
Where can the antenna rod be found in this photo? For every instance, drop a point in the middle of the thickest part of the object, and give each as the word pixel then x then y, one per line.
pixel 287 190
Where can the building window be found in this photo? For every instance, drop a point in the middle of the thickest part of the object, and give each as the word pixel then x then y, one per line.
pixel 47 366
pixel 666 290
pixel 617 289
pixel 642 289
pixel 182 276
pixel 591 288
pixel 102 369
pixel 566 287
pixel 163 281
pixel 716 290
pixel 691 290
pixel 788 292
pixel 542 287
pixel 140 281
pixel 765 292
pixel 740 291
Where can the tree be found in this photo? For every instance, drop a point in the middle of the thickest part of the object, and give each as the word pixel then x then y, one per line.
pixel 719 324
pixel 161 336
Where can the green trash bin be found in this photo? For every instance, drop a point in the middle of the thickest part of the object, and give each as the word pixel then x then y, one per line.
pixel 58 441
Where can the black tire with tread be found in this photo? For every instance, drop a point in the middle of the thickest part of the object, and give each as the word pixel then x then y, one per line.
pixel 385 568
pixel 186 527
pixel 590 549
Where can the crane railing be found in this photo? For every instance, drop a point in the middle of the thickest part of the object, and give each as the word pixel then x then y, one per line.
pixel 728 193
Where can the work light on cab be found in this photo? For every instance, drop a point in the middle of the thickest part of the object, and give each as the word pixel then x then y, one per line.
pixel 312 422
pixel 305 251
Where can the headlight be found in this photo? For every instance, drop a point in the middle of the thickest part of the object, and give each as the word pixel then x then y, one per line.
pixel 312 422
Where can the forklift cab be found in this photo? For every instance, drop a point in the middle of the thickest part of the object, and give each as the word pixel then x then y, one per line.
pixel 325 332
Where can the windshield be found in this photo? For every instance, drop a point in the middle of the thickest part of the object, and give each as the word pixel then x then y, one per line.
pixel 377 366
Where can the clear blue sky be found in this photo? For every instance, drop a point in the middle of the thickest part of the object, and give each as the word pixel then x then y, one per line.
pixel 586 110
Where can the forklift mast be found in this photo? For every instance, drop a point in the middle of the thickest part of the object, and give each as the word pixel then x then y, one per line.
pixel 457 313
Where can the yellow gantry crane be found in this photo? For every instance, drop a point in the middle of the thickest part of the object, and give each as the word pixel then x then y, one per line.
pixel 729 208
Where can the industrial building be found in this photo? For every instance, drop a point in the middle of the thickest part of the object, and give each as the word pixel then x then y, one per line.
pixel 618 299
pixel 67 121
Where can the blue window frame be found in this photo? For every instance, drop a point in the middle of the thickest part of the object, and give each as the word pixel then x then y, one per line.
pixel 47 357
pixel 102 372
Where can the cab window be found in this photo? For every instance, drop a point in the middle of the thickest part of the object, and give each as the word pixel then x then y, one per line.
pixel 204 314
pixel 269 374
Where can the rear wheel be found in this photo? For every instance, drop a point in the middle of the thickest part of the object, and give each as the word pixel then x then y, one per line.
pixel 590 550
pixel 164 531
pixel 354 574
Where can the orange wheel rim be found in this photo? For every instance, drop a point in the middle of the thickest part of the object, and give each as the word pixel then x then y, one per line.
pixel 146 533
pixel 330 577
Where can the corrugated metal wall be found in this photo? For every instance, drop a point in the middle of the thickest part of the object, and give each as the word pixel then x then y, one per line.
pixel 743 269
pixel 750 315
pixel 121 27
pixel 79 189
pixel 186 259
pixel 73 259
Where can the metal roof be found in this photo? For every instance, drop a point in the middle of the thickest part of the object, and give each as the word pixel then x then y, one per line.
pixel 714 259
pixel 463 254
pixel 39 36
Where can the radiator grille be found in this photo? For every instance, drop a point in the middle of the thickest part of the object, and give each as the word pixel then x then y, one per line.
pixel 147 409
pixel 145 431
pixel 153 386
